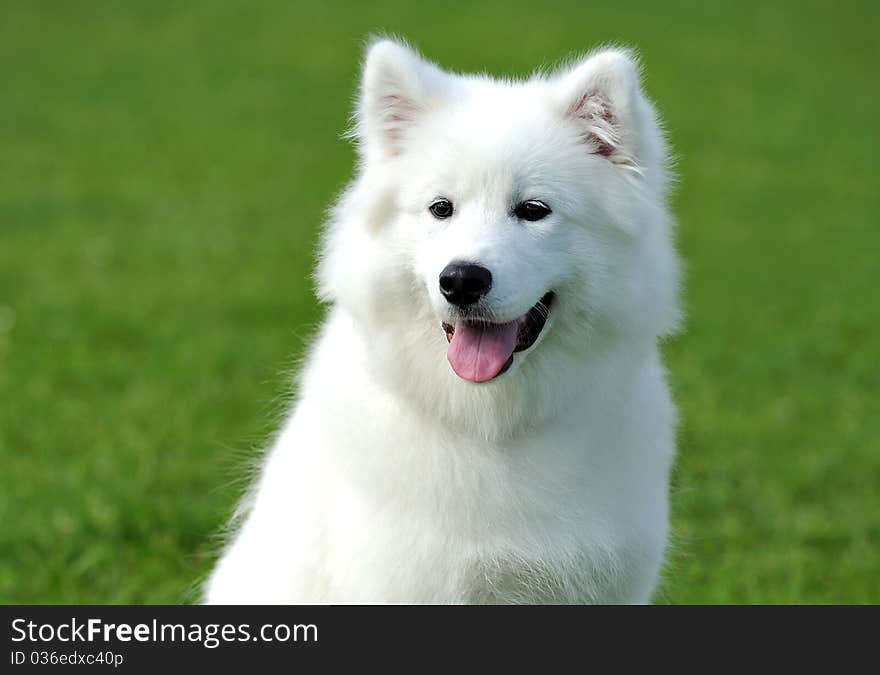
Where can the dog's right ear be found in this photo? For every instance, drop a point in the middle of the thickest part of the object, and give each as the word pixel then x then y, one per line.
pixel 397 87
pixel 602 94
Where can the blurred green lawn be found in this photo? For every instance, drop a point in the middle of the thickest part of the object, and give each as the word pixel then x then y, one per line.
pixel 164 167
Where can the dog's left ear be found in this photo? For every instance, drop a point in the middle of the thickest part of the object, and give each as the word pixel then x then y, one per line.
pixel 397 88
pixel 601 93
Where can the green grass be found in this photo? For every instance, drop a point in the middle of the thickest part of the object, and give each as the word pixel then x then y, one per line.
pixel 164 167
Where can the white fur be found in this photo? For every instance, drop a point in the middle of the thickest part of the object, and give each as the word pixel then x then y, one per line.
pixel 393 480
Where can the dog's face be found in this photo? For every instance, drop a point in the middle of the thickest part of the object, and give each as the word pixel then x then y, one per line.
pixel 493 222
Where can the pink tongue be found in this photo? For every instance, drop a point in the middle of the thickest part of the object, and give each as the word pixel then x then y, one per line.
pixel 479 352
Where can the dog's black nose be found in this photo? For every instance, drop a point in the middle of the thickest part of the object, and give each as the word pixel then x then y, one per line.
pixel 463 284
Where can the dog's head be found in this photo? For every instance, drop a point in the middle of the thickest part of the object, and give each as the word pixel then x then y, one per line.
pixel 499 235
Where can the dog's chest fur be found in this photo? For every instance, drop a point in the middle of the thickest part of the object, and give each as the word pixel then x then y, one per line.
pixel 365 500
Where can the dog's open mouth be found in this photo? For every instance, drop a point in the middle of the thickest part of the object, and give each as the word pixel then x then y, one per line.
pixel 481 351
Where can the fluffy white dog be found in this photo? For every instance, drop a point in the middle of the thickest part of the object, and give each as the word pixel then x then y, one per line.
pixel 484 416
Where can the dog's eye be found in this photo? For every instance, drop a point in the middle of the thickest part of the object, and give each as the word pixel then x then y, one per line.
pixel 441 208
pixel 532 210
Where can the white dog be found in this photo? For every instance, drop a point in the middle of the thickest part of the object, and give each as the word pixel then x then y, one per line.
pixel 484 416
